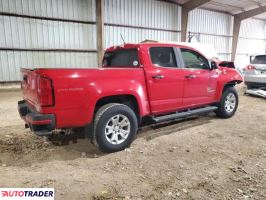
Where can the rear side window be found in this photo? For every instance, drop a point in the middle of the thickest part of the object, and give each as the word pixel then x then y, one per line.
pixel 163 56
pixel 194 60
pixel 121 58
pixel 259 60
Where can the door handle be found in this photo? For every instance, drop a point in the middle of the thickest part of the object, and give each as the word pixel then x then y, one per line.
pixel 158 76
pixel 190 76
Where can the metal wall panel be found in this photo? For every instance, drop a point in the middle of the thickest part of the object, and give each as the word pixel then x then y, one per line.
pixel 206 21
pixel 214 28
pixel 66 9
pixel 220 43
pixel 137 16
pixel 252 41
pixel 252 37
pixel 147 13
pixel 12 61
pixel 251 46
pixel 34 33
pixel 134 35
pixel 28 33
pixel 253 28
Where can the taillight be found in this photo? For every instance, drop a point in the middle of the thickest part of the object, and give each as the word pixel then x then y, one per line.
pixel 45 92
pixel 250 67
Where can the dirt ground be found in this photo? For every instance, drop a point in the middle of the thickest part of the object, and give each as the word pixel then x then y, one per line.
pixel 197 158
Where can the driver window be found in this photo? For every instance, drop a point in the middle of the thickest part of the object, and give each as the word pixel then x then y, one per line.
pixel 163 56
pixel 194 60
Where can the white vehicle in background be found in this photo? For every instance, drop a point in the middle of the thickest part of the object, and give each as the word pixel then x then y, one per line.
pixel 255 76
pixel 255 73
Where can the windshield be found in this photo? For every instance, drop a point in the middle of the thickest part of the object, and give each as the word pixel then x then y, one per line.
pixel 121 58
pixel 259 60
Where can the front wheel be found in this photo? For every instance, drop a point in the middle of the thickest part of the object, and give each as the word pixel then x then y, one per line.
pixel 228 104
pixel 115 127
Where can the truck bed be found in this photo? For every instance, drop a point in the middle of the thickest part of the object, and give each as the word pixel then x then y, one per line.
pixel 76 91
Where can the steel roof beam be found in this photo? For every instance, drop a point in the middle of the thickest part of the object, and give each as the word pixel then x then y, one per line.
pixel 251 13
pixel 236 31
pixel 192 4
pixel 100 29
pixel 186 8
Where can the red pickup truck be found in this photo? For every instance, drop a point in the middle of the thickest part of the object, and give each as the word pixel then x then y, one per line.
pixel 137 81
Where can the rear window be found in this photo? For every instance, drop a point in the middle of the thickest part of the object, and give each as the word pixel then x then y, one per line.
pixel 163 56
pixel 121 58
pixel 259 60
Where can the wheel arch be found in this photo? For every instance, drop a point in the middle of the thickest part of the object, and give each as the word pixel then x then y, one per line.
pixel 126 99
pixel 231 84
pixel 224 86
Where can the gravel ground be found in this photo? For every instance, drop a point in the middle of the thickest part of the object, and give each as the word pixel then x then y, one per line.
pixel 197 158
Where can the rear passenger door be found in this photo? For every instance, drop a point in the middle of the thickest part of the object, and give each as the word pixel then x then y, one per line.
pixel 164 79
pixel 200 80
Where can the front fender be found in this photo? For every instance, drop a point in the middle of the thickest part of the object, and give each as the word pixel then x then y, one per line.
pixel 227 77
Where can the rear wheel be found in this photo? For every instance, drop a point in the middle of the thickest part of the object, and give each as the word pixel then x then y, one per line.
pixel 228 104
pixel 115 127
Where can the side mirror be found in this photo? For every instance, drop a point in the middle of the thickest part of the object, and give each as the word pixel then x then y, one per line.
pixel 213 65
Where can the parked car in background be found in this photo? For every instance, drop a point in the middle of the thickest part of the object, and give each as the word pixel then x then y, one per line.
pixel 158 81
pixel 255 73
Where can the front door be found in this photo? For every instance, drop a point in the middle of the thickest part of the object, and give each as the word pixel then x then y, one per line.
pixel 200 81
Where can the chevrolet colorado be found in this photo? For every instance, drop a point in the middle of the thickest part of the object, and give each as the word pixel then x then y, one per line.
pixel 159 81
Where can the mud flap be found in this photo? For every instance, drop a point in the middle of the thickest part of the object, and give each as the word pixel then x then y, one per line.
pixel 87 131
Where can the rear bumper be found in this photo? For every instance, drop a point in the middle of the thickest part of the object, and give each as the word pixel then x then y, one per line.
pixel 255 79
pixel 255 84
pixel 41 124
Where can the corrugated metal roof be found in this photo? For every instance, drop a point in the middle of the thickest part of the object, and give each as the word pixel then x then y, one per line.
pixel 230 6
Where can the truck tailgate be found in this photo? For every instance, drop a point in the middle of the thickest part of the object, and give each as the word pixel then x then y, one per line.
pixel 29 86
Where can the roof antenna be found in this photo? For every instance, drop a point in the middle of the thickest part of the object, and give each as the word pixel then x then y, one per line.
pixel 122 38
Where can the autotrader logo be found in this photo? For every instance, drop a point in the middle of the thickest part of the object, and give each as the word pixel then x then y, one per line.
pixel 26 193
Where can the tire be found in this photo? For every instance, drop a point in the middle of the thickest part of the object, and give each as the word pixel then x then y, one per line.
pixel 115 127
pixel 228 104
